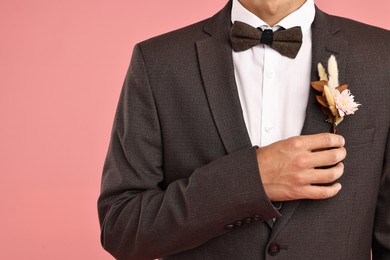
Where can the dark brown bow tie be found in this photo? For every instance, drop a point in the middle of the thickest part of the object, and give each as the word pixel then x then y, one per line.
pixel 286 42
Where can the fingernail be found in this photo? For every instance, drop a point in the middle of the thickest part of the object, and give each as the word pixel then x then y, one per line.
pixel 343 140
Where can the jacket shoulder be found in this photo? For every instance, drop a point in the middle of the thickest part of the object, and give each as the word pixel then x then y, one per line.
pixel 184 39
pixel 361 32
pixel 175 40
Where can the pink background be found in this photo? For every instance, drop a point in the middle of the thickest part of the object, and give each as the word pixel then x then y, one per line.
pixel 62 64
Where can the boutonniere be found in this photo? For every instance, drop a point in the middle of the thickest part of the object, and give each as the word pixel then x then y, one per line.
pixel 336 101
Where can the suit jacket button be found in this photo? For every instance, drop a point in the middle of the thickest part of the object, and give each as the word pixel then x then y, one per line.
pixel 273 249
pixel 248 220
pixel 229 227
pixel 257 217
pixel 277 205
pixel 238 223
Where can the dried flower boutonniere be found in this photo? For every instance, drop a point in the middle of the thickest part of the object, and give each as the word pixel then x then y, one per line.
pixel 336 101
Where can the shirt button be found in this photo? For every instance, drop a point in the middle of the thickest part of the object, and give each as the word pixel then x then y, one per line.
pixel 268 128
pixel 273 249
pixel 271 74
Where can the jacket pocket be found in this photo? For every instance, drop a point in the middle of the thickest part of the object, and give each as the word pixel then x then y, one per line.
pixel 359 137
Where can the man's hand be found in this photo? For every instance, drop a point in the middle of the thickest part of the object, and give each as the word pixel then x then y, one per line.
pixel 288 168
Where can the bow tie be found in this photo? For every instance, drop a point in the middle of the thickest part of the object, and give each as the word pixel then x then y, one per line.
pixel 286 42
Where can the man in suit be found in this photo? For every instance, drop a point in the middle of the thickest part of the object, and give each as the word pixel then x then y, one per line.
pixel 224 154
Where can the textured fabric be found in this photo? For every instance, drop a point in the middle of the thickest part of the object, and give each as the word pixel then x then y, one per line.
pixel 181 180
pixel 286 42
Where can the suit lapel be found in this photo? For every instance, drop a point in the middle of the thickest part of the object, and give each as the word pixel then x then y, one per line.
pixel 325 43
pixel 216 65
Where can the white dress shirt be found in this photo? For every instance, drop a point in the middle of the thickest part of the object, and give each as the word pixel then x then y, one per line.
pixel 274 89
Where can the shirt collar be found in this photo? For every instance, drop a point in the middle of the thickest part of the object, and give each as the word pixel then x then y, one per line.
pixel 302 17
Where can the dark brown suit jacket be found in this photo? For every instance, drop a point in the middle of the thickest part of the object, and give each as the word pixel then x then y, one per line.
pixel 181 180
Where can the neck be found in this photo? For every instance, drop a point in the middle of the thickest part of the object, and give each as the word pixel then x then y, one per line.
pixel 272 11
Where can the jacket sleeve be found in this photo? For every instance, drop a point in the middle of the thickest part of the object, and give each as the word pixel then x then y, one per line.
pixel 141 220
pixel 381 235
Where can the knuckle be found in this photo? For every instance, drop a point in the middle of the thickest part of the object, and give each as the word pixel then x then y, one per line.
pixel 299 178
pixel 341 166
pixel 340 169
pixel 337 155
pixel 343 152
pixel 296 192
pixel 328 139
pixel 295 143
pixel 331 176
pixel 300 162
pixel 341 140
pixel 325 193
pixel 333 156
pixel 309 193
pixel 334 174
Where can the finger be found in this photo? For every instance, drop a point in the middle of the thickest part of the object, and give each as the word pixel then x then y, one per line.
pixel 321 192
pixel 326 157
pixel 321 176
pixel 323 141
